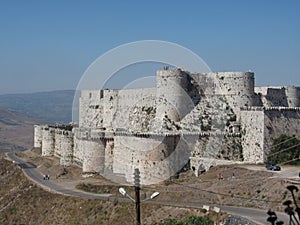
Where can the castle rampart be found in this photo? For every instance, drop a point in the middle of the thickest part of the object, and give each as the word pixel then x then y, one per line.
pixel 93 156
pixel 293 96
pixel 202 118
pixel 37 142
pixel 67 146
pixel 237 89
pixel 286 96
pixel 48 134
pixel 173 95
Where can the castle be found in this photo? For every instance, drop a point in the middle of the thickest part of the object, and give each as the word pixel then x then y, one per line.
pixel 194 119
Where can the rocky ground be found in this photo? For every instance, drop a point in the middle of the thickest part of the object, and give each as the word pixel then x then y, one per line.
pixel 22 202
pixel 251 185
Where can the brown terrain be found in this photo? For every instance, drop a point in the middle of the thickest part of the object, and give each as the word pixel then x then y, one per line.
pixel 16 130
pixel 252 186
pixel 23 202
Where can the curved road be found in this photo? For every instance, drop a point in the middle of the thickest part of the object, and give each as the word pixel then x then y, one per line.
pixel 30 170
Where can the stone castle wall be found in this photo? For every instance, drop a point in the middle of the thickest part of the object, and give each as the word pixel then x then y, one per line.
pixel 237 88
pixel 261 125
pixel 285 96
pixel 252 130
pixel 293 96
pixel 90 109
pixel 67 148
pixel 157 157
pixel 80 137
pixel 113 108
pixel 207 118
pixel 129 102
pixel 37 136
pixel 93 156
pixel 173 98
pixel 55 141
pixel 48 143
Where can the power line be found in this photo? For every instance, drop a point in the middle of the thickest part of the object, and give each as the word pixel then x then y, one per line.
pixel 275 153
pixel 290 160
pixel 283 141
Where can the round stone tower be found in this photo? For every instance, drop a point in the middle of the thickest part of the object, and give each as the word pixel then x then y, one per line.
pixel 237 88
pixel 93 156
pixel 173 100
pixel 58 133
pixel 66 158
pixel 48 141
pixel 38 136
pixel 293 96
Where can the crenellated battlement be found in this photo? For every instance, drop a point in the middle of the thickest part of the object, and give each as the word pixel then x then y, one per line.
pixel 262 108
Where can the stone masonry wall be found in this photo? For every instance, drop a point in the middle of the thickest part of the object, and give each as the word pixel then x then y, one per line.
pixel 110 105
pixel 93 156
pixel 80 137
pixel 67 145
pixel 260 126
pixel 109 156
pixel 157 157
pixel 236 88
pixel 174 98
pixel 293 96
pixel 112 109
pixel 272 96
pixel 129 101
pixel 284 96
pixel 57 142
pixel 90 108
pixel 48 143
pixel 252 131
pixel 37 136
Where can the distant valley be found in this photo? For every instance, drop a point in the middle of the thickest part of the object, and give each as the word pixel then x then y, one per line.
pixel 16 130
pixel 53 106
pixel 19 112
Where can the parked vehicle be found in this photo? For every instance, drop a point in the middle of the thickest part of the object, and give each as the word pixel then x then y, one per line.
pixel 272 166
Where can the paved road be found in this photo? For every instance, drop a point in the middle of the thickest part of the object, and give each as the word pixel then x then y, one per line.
pixel 33 174
pixel 30 170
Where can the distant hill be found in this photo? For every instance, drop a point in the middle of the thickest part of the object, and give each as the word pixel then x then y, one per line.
pixel 16 130
pixel 53 106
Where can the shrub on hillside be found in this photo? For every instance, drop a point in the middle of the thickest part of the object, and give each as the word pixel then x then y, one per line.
pixel 285 149
pixel 191 220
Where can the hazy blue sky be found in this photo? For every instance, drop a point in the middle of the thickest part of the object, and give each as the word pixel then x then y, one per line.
pixel 47 45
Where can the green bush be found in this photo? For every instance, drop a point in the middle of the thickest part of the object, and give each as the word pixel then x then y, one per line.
pixel 172 222
pixel 192 220
pixel 285 149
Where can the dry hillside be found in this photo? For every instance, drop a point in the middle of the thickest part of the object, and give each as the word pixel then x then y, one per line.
pixel 22 202
pixel 16 130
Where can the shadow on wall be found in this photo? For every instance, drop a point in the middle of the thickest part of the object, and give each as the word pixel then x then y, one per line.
pixel 292 209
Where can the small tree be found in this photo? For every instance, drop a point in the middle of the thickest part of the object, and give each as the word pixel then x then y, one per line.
pixel 293 212
pixel 191 220
pixel 195 220
pixel 285 149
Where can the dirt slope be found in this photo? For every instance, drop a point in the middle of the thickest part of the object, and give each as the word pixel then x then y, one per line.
pixel 16 130
pixel 22 202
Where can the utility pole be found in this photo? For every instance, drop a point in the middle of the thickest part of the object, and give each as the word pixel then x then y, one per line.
pixel 137 199
pixel 137 196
